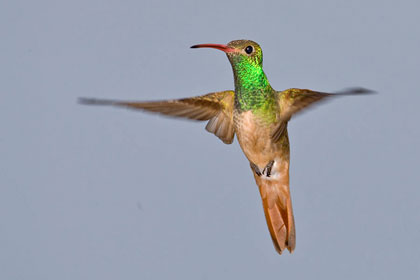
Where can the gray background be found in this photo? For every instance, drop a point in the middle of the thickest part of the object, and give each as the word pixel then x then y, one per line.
pixel 103 193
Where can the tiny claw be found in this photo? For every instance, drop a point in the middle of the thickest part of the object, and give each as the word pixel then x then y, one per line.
pixel 267 168
pixel 255 168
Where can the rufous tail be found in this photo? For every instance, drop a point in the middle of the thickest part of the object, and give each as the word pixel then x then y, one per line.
pixel 278 211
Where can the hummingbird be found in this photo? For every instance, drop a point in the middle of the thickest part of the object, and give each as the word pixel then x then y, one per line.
pixel 259 116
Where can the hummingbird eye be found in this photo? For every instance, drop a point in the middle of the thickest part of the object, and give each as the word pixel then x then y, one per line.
pixel 249 49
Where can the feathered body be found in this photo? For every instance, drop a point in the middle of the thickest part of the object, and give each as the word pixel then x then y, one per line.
pixel 258 115
pixel 255 117
pixel 254 136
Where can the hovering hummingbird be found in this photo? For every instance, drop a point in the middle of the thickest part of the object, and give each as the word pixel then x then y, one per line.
pixel 258 115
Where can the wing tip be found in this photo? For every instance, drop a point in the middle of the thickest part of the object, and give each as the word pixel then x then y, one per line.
pixel 356 91
pixel 94 101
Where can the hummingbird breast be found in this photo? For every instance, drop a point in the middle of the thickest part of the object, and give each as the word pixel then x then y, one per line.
pixel 254 137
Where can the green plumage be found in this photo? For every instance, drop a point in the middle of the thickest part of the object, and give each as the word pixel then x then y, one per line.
pixel 252 89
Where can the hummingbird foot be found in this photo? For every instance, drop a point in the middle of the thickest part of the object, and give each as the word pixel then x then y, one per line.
pixel 267 168
pixel 255 168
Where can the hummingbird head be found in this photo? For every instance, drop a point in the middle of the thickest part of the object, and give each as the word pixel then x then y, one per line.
pixel 239 52
pixel 246 51
pixel 246 59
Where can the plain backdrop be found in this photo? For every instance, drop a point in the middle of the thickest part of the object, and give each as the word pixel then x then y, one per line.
pixel 106 193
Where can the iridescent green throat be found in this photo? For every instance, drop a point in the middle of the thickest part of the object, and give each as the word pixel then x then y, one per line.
pixel 253 91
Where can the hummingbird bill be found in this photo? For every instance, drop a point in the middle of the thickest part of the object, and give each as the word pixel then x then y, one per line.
pixel 258 115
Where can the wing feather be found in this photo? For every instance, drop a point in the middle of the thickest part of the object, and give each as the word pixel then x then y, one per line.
pixel 215 107
pixel 294 100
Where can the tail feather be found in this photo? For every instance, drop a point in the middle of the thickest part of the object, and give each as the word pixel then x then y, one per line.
pixel 278 211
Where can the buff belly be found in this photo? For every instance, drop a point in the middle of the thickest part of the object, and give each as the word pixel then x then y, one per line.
pixel 254 137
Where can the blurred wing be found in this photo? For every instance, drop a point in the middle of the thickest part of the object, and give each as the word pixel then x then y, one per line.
pixel 294 100
pixel 216 107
